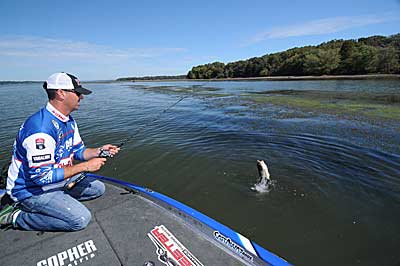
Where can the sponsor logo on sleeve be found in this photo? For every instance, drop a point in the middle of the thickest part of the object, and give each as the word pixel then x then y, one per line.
pixel 41 158
pixel 72 256
pixel 40 144
pixel 169 250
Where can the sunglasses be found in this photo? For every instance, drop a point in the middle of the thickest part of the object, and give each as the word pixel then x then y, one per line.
pixel 74 91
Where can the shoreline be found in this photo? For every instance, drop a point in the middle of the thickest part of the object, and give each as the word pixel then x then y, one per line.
pixel 270 78
pixel 287 78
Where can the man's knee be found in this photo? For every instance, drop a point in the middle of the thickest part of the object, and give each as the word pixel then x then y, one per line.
pixel 88 189
pixel 101 188
pixel 80 220
pixel 97 188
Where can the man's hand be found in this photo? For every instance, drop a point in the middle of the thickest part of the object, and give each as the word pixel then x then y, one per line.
pixel 91 153
pixel 92 165
pixel 112 149
pixel 95 164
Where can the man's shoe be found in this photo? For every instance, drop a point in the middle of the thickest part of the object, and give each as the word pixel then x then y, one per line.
pixel 7 214
pixel 5 201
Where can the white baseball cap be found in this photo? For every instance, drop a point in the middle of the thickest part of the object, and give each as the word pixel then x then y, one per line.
pixel 64 81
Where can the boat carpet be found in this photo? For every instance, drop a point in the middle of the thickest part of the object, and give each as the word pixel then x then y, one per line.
pixel 118 234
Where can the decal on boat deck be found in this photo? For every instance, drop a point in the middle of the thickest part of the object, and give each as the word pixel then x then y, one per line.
pixel 170 251
pixel 226 241
pixel 72 256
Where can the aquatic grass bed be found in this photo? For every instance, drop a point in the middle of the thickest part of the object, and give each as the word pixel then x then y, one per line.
pixel 341 106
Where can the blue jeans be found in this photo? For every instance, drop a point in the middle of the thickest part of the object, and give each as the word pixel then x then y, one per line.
pixel 59 209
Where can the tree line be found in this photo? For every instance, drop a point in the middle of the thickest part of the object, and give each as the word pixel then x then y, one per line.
pixel 371 55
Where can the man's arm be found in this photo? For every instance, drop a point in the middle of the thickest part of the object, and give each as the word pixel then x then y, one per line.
pixel 92 162
pixel 92 165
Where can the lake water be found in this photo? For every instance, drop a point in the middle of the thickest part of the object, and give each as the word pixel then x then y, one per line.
pixel 336 200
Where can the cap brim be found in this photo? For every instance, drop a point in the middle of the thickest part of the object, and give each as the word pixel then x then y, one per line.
pixel 83 90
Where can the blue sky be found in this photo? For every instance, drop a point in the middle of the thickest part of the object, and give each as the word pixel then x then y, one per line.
pixel 110 39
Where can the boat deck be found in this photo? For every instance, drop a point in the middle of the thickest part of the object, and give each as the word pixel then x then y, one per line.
pixel 119 234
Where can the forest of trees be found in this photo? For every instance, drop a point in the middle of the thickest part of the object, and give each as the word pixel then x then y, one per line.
pixel 372 55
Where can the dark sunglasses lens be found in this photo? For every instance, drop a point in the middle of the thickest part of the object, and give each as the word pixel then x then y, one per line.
pixel 74 91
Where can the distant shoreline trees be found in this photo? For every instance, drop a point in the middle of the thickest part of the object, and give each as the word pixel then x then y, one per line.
pixel 371 55
pixel 152 78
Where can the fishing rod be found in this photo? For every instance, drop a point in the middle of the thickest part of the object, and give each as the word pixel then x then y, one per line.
pixel 106 154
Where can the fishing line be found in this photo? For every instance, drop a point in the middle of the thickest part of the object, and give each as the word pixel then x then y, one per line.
pixel 159 115
pixel 151 121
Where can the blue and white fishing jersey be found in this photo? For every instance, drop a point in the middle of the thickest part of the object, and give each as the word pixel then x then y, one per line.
pixel 45 143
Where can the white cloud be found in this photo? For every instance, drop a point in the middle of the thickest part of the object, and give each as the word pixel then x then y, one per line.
pixel 55 48
pixel 34 58
pixel 319 27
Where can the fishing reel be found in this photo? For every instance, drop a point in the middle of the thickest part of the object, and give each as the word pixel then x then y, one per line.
pixel 105 154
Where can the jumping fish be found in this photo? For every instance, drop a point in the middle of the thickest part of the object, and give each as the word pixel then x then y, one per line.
pixel 264 181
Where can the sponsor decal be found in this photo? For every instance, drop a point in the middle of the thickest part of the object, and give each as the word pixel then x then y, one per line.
pixel 41 158
pixel 71 257
pixel 59 116
pixel 226 241
pixel 169 250
pixel 65 162
pixel 40 144
pixel 60 151
pixel 55 124
pixel 60 135
pixel 68 144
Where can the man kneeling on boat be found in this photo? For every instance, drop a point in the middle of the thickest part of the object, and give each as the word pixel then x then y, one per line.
pixel 42 163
